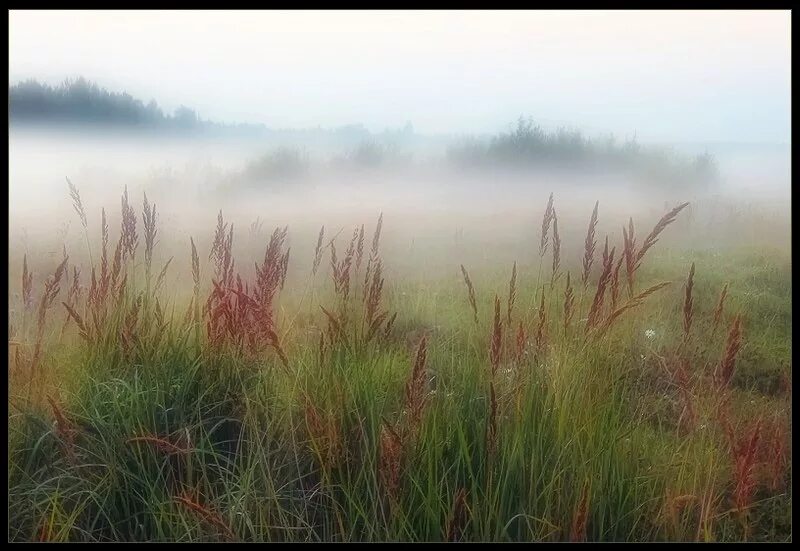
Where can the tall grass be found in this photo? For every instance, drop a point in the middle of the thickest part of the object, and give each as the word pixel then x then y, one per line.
pixel 216 415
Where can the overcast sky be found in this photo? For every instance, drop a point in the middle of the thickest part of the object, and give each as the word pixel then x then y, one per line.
pixel 668 76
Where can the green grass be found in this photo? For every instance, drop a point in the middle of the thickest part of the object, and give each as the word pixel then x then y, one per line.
pixel 594 414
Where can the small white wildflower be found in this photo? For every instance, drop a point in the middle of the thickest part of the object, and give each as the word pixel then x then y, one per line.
pixel 649 333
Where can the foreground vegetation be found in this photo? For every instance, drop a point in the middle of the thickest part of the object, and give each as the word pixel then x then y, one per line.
pixel 634 393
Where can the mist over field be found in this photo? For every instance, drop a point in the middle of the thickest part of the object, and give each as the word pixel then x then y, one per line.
pixel 399 276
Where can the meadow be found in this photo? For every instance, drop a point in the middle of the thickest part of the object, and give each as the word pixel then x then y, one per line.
pixel 568 375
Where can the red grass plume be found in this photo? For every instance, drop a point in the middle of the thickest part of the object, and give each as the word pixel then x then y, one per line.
pixel 580 517
pixel 724 370
pixel 417 386
pixel 744 449
pixel 596 310
pixel 652 237
pixel 390 461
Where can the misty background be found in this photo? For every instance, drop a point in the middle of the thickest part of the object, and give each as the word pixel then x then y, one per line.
pixel 296 115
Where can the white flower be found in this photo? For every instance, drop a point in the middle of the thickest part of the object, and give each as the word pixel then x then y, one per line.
pixel 649 333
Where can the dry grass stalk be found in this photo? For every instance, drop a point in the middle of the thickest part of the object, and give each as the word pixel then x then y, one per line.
pixel 457 521
pixel 496 340
pixel 589 246
pixel 556 249
pixel 324 433
pixel 629 254
pixel 569 304
pixel 64 430
pixel 688 304
pixel 222 252
pixel 615 315
pixel 718 310
pixel 318 251
pixel 541 327
pixel 149 218
pixel 745 448
pixel 390 460
pixel 389 325
pixel 284 267
pixel 652 237
pixel 650 290
pixel 776 436
pixel 77 204
pixel 595 312
pixel 335 329
pixel 360 248
pixel 162 274
pixel 615 284
pixel 51 289
pixel 512 292
pixel 417 388
pixel 128 236
pixel 374 294
pixel 82 328
pixel 724 369
pixel 161 444
pixel 341 270
pixel 470 293
pixel 547 219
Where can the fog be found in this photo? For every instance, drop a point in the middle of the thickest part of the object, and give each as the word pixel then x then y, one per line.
pixel 680 83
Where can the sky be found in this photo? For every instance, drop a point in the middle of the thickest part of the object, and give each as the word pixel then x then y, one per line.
pixel 675 76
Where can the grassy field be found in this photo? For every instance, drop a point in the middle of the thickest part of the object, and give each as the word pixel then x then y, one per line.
pixel 638 390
